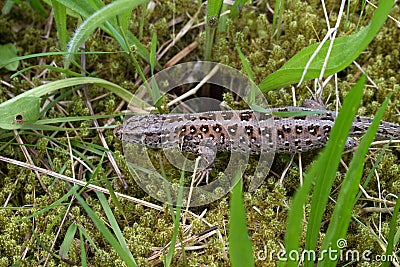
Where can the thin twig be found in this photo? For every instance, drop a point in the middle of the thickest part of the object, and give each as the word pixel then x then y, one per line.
pixel 194 90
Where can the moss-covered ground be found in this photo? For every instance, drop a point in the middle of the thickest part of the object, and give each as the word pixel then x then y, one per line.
pixel 25 242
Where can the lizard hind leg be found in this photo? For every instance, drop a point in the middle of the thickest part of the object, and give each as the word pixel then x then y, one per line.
pixel 204 163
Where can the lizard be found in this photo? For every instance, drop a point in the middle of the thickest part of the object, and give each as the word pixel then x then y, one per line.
pixel 244 131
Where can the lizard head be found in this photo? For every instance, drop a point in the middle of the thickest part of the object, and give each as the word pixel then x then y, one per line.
pixel 141 129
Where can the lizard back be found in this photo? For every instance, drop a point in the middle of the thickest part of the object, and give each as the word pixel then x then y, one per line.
pixel 241 130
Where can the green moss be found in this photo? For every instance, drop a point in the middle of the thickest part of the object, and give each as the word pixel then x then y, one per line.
pixel 146 228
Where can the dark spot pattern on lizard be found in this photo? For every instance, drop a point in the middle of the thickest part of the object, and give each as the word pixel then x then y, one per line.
pixel 232 129
pixel 248 130
pixel 246 116
pixel 313 129
pixel 204 128
pixel 299 129
pixel 242 130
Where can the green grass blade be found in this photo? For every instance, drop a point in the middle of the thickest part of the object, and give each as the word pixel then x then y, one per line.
pixel 85 9
pixel 245 63
pixel 9 52
pixel 123 20
pixel 372 170
pixel 96 20
pixel 60 17
pixel 213 12
pixel 324 169
pixel 344 51
pixel 236 8
pixel 393 236
pixel 176 218
pixel 14 115
pixel 329 163
pixel 83 251
pixel 54 204
pixel 66 244
pixel 133 41
pixel 55 221
pixel 38 8
pixel 214 8
pixel 96 4
pixel 56 98
pixel 295 216
pixel 341 216
pixel 360 14
pixel 126 257
pixel 71 119
pixel 4 63
pixel 153 52
pixel 53 86
pixel 55 69
pixel 88 238
pixel 7 7
pixel 277 20
pixel 114 224
pixel 240 247
pixel 13 107
pixel 154 90
pixel 93 148
pixel 222 23
pixel 286 114
pixel 43 245
pixel 41 127
pixel 112 194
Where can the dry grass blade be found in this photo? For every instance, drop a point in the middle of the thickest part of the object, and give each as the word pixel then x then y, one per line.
pixel 183 53
pixel 180 34
pixel 195 239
